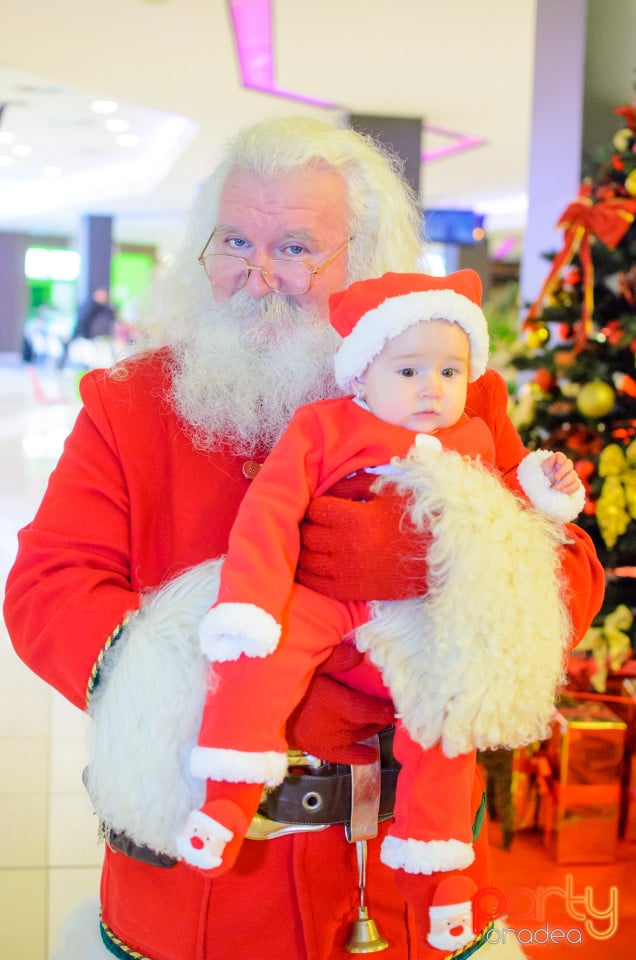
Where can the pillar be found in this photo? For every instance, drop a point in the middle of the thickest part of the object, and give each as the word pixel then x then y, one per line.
pixel 14 297
pixel 94 246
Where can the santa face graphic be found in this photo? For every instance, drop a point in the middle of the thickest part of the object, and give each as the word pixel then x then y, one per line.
pixel 451 926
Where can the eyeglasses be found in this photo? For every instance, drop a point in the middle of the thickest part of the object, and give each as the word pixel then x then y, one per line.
pixel 291 278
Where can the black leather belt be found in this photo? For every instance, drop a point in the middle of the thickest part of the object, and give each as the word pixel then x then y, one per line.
pixel 318 798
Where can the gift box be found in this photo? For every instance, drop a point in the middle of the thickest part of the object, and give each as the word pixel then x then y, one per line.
pixel 621 699
pixel 586 757
pixel 626 710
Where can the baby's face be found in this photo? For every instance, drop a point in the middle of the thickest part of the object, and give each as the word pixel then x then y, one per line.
pixel 419 380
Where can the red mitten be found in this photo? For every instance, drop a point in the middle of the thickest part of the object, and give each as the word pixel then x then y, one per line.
pixel 331 718
pixel 361 549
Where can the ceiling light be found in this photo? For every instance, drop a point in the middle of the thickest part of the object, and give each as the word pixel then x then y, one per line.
pixel 103 106
pixel 21 150
pixel 5 160
pixel 6 136
pixel 51 171
pixel 116 124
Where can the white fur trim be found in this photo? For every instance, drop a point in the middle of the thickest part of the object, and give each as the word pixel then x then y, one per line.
pixel 428 442
pixel 79 937
pixel 560 506
pixel 425 856
pixel 147 711
pixel 477 662
pixel 231 629
pixel 395 315
pixel 238 766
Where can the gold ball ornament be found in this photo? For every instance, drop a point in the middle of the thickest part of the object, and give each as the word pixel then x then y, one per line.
pixel 622 138
pixel 630 183
pixel 538 337
pixel 595 399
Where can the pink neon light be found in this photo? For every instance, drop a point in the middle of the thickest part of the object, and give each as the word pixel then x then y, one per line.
pixel 462 142
pixel 252 23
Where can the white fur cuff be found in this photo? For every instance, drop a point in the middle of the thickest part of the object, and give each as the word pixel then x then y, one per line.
pixel 426 856
pixel 230 629
pixel 238 766
pixel 559 506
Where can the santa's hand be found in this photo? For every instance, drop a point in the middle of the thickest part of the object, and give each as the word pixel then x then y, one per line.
pixel 362 549
pixel 332 718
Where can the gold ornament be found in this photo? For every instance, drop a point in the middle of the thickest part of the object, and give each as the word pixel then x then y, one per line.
pixel 611 514
pixel 622 139
pixel 630 183
pixel 609 645
pixel 612 461
pixel 629 486
pixel 538 337
pixel 595 399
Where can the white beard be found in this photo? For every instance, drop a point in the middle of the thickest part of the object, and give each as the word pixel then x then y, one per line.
pixel 246 365
pixel 445 940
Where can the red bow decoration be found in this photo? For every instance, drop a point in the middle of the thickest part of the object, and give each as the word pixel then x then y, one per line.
pixel 629 113
pixel 608 220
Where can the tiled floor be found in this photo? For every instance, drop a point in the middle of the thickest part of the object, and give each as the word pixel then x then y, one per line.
pixel 49 855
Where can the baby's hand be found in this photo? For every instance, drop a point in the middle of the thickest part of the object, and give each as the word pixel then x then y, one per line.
pixel 560 471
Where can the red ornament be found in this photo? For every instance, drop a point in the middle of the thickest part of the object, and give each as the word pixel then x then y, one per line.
pixel 613 331
pixel 629 113
pixel 544 380
pixel 573 277
pixel 585 469
pixel 625 384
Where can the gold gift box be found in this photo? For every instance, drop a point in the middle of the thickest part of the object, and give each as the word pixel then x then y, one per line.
pixel 586 758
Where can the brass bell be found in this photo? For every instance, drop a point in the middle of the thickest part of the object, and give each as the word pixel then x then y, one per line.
pixel 364 935
pixel 363 825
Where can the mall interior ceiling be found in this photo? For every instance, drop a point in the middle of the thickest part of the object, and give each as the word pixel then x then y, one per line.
pixel 183 77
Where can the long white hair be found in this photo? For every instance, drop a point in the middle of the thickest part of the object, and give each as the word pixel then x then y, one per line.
pixel 230 383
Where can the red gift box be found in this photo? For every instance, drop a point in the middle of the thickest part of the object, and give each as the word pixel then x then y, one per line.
pixel 586 756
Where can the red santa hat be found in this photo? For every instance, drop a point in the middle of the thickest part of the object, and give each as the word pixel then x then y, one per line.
pixel 453 895
pixel 370 312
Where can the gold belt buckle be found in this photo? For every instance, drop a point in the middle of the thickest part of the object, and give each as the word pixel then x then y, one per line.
pixel 262 828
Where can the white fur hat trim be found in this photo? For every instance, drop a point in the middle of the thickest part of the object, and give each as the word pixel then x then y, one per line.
pixel 425 856
pixel 230 629
pixel 238 766
pixel 562 507
pixel 395 315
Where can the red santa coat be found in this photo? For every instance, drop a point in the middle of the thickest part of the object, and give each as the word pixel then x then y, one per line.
pixel 130 505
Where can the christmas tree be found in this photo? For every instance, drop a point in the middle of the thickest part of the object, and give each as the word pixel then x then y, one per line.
pixel 578 388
